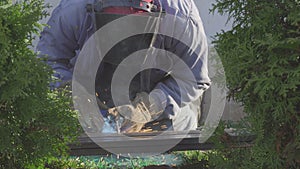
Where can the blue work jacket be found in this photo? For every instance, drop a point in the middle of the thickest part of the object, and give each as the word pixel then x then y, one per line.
pixel 70 26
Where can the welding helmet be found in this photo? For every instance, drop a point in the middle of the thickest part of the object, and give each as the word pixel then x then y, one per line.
pixel 106 11
pixel 144 15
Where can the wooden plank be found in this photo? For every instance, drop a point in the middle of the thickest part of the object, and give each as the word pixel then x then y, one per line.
pixel 153 142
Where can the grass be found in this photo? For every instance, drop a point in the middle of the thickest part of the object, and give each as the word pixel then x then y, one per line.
pixel 175 159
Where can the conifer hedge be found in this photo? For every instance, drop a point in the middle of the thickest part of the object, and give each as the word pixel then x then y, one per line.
pixel 261 58
pixel 35 123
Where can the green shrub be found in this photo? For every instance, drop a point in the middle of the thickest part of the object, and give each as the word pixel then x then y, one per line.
pixel 35 122
pixel 261 56
pixel 105 162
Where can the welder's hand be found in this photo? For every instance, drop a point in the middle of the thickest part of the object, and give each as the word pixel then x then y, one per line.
pixel 148 103
pixel 130 118
pixel 144 108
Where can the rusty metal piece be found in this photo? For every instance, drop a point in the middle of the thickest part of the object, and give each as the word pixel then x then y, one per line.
pixel 156 123
pixel 163 126
pixel 146 130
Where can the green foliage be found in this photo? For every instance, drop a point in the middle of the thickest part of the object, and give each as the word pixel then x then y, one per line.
pixel 101 162
pixel 193 159
pixel 35 122
pixel 261 56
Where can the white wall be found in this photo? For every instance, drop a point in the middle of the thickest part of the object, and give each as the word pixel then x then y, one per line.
pixel 212 23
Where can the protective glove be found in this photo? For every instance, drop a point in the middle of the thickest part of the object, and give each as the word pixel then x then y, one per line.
pixel 149 103
pixel 132 118
pixel 129 118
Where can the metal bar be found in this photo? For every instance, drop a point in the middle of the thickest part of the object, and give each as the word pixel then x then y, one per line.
pixel 190 141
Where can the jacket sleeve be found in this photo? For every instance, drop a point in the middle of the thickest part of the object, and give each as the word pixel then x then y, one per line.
pixel 58 43
pixel 188 42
